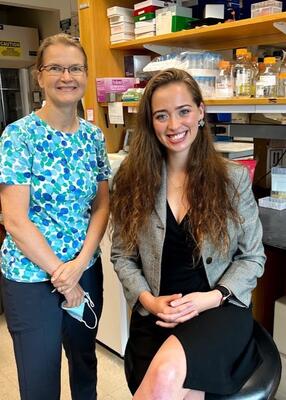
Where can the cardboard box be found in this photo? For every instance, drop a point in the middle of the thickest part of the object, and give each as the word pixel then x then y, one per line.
pixel 112 85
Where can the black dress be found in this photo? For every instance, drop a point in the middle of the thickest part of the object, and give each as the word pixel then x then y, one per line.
pixel 219 347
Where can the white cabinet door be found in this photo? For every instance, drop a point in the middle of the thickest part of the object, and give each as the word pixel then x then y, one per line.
pixel 114 323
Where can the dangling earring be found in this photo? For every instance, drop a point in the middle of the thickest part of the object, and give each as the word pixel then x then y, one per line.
pixel 201 123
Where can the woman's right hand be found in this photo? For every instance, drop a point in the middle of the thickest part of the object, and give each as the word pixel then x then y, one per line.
pixel 160 304
pixel 75 296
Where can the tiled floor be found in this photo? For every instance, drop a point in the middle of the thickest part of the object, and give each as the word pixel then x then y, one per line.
pixel 111 380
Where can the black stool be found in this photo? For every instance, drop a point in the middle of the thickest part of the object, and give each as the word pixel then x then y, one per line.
pixel 263 383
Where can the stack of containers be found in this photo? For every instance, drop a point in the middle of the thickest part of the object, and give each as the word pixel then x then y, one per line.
pixel 144 17
pixel 172 18
pixel 121 24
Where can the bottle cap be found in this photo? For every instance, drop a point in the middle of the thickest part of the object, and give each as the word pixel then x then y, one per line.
pixel 241 52
pixel 269 60
pixel 223 64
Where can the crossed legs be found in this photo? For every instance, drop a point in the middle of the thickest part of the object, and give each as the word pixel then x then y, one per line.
pixel 166 374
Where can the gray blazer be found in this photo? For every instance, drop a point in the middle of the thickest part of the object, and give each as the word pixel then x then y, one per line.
pixel 238 269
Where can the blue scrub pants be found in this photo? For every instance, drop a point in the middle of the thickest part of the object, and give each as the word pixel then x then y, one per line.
pixel 39 327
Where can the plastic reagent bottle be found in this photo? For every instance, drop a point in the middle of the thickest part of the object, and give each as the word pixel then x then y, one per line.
pixel 224 81
pixel 266 85
pixel 243 73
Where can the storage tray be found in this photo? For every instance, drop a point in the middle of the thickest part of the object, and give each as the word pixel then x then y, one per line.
pixel 271 202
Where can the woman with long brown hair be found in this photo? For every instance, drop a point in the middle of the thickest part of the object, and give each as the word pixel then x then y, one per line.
pixel 187 247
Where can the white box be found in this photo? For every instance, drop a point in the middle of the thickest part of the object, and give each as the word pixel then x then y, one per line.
pixel 146 34
pixel 123 27
pixel 116 19
pixel 121 37
pixel 279 332
pixel 113 11
pixel 19 46
pixel 147 3
pixel 176 10
pixel 214 11
pixel 144 29
pixel 151 23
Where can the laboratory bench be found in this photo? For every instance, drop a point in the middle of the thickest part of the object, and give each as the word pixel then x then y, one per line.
pixel 272 285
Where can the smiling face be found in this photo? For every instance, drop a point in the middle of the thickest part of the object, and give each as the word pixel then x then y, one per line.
pixel 175 117
pixel 64 89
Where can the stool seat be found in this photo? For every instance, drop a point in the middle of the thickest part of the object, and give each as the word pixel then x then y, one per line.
pixel 262 384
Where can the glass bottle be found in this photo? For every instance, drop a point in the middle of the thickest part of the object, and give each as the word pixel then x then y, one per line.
pixel 224 80
pixel 266 86
pixel 243 73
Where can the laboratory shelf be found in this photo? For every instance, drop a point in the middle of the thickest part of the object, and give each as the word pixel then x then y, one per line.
pixel 239 105
pixel 228 35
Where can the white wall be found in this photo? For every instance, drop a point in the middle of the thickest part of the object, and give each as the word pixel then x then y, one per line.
pixel 65 7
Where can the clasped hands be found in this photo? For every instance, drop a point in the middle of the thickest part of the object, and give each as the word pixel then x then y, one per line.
pixel 65 279
pixel 175 309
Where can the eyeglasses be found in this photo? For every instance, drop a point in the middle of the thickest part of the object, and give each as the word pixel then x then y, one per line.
pixel 57 70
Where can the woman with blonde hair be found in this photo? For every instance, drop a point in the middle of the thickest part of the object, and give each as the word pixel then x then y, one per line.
pixel 54 196
pixel 187 248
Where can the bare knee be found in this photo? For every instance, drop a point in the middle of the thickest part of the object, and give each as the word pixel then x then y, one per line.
pixel 163 378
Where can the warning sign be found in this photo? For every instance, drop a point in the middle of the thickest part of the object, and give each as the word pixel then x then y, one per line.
pixel 9 48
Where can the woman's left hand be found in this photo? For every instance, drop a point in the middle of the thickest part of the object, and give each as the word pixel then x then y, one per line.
pixel 189 306
pixel 67 275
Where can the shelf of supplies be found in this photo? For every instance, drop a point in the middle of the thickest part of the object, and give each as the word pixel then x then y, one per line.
pixel 244 105
pixel 228 35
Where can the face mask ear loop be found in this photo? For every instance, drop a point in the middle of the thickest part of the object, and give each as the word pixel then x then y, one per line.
pixel 90 305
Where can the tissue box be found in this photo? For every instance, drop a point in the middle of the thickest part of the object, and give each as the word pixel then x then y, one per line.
pixel 112 85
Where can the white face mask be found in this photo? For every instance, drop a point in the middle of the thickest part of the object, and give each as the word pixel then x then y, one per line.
pixel 77 312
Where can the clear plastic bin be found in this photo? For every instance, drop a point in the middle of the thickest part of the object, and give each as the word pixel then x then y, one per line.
pixel 271 202
pixel 266 8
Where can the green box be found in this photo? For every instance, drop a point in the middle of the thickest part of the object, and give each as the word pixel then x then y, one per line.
pixel 180 23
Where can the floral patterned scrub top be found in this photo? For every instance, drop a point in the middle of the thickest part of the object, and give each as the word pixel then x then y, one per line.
pixel 63 171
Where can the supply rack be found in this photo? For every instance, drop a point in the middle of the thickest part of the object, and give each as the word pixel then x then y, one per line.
pixel 107 60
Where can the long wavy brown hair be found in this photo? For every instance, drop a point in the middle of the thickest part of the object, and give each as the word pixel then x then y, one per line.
pixel 210 190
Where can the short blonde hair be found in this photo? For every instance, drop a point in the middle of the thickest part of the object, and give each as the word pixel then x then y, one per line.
pixel 60 38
